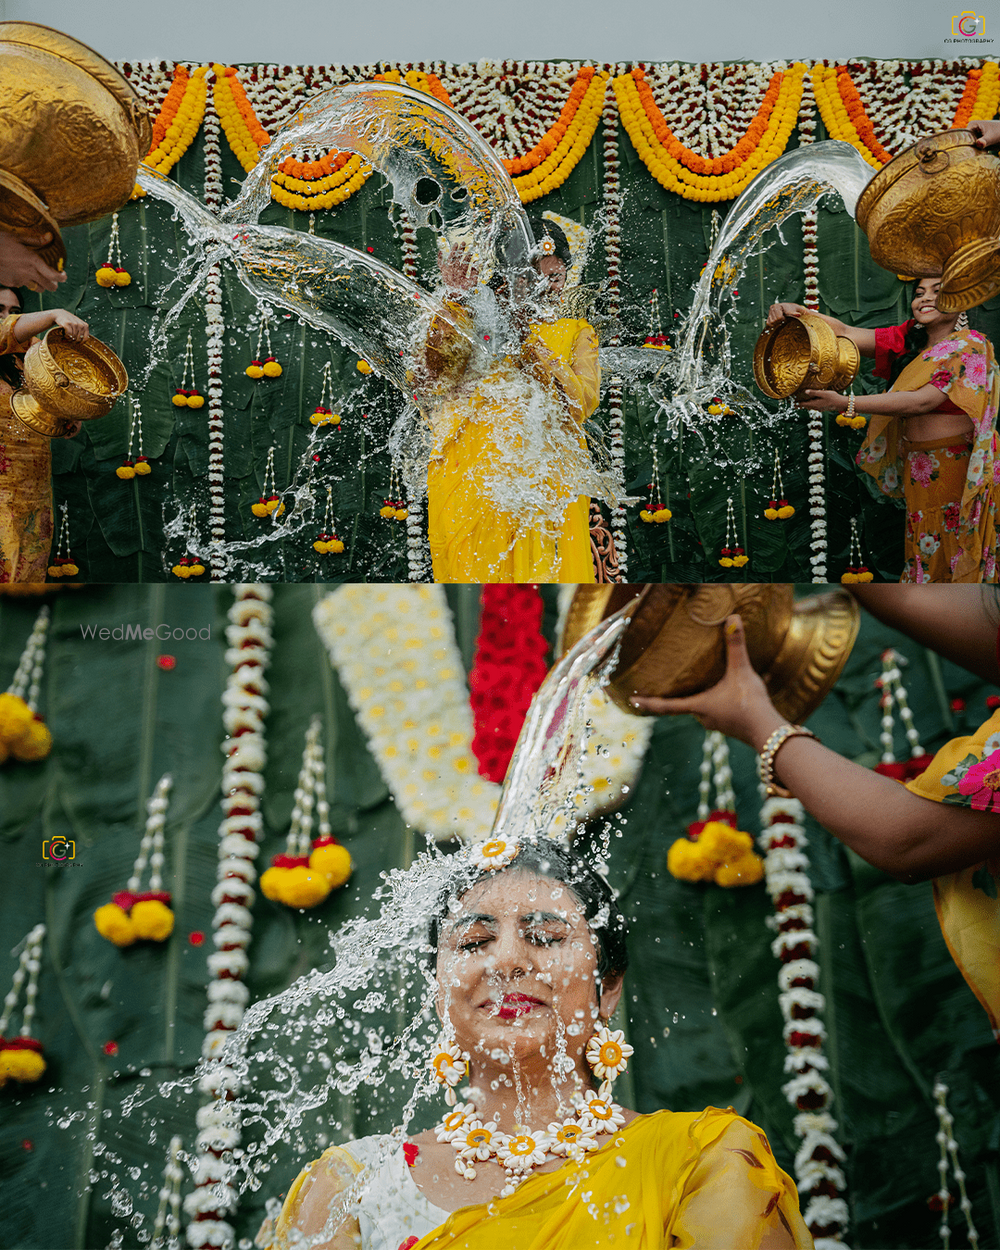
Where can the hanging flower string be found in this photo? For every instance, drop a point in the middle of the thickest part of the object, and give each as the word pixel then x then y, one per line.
pixel 732 554
pixel 655 512
pixel 23 733
pixel 857 570
pixel 265 366
pixel 779 509
pixel 135 914
pixel 394 506
pixel 168 1213
pixel 949 1151
pixel 323 414
pixel 188 565
pixel 327 542
pixel 113 273
pixel 63 564
pixel 269 503
pixel 612 206
pixel 309 870
pixel 715 848
pixel 21 1057
pixel 214 335
pixel 656 338
pixel 187 394
pixel 817 1162
pixel 140 466
pixel 245 706
pixel 893 692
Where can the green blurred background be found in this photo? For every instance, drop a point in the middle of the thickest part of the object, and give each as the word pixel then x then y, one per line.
pixel 898 1013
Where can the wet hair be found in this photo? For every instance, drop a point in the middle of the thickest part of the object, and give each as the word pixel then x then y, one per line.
pixel 551 860
pixel 542 228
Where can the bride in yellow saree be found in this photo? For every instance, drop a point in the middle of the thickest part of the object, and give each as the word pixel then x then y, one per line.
pixel 533 1154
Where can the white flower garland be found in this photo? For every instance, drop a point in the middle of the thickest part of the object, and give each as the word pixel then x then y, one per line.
pixel 612 208
pixel 244 709
pixel 395 653
pixel 786 877
pixel 709 107
pixel 214 333
pixel 151 80
pixel 511 103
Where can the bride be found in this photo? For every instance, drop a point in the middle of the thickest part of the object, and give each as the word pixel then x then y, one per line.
pixel 532 1151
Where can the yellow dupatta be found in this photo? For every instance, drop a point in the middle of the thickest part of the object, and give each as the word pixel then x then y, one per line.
pixel 964 368
pixel 966 771
pixel 666 1180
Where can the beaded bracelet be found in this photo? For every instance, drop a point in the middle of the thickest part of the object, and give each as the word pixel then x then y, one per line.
pixel 765 761
pixel 849 412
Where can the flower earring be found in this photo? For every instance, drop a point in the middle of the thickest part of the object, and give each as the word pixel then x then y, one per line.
pixel 608 1054
pixel 450 1066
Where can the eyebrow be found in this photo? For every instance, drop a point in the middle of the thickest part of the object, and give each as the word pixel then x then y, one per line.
pixel 532 917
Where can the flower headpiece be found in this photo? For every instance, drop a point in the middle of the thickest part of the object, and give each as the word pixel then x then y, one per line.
pixel 495 853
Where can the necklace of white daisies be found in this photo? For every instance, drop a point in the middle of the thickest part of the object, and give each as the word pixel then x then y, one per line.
pixel 476 1140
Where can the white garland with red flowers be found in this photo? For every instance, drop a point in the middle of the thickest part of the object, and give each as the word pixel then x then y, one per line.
pixel 151 80
pixel 709 107
pixel 245 706
pixel 786 865
pixel 901 114
pixel 612 209
pixel 511 103
pixel 215 329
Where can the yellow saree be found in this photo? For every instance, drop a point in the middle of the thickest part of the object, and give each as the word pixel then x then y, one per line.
pixel 697 1179
pixel 956 535
pixel 25 485
pixel 481 435
pixel 966 771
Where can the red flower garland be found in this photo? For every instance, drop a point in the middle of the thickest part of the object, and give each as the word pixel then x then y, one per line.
pixel 508 668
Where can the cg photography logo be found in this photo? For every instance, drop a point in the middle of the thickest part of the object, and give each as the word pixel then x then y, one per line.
pixel 58 850
pixel 968 24
pixel 968 27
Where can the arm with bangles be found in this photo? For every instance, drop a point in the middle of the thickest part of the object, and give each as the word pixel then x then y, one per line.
pixel 906 836
pixel 863 339
pixel 30 324
pixel 578 380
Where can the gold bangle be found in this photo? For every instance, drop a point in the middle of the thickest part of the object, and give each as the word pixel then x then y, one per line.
pixel 765 761
pixel 849 412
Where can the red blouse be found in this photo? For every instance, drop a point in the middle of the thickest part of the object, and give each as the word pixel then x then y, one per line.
pixel 890 342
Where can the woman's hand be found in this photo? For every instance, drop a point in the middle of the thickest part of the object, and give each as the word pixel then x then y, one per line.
pixel 73 327
pixel 458 268
pixel 738 705
pixel 821 401
pixel 987 133
pixel 21 265
pixel 781 312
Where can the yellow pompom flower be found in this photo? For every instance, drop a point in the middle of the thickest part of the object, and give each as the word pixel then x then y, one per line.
pixel 302 887
pixel 125 471
pixel 122 277
pixel 19 1063
pixel 260 508
pixel 363 366
pixel 721 842
pixel 744 870
pixel 16 718
pixel 179 399
pixel 387 511
pixel 142 468
pixel 661 515
pixel 335 545
pixel 197 569
pixel 333 861
pixel 270 883
pixel 152 920
pixel 401 514
pixel 254 370
pixel 785 512
pixel 114 924
pixel 646 515
pixel 771 514
pixel 271 368
pixel 196 401
pixel 34 744
pixel 687 862
pixel 105 276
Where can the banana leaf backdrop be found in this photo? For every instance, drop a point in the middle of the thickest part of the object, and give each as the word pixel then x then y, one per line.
pixel 701 1003
pixel 117 527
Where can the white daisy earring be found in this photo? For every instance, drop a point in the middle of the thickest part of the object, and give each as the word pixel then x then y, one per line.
pixel 608 1054
pixel 450 1066
pixel 495 853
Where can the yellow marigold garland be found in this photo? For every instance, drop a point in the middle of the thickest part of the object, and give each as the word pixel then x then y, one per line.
pixel 555 157
pixel 178 120
pixel 641 119
pixel 845 117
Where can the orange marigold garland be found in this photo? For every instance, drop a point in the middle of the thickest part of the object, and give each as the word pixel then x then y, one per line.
pixel 551 161
pixel 694 177
pixel 178 120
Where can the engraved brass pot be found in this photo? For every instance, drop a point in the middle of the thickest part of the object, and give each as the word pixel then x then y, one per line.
pixel 66 382
pixel 802 353
pixel 72 133
pixel 675 646
pixel 934 211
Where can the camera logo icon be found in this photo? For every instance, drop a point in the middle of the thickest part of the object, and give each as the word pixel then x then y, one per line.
pixel 58 849
pixel 968 23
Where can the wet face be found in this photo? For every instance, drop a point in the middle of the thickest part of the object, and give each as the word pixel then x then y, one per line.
pixel 924 302
pixel 553 271
pixel 9 302
pixel 517 971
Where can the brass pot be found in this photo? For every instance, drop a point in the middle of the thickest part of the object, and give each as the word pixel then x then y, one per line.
pixel 72 133
pixel 66 381
pixel 934 211
pixel 675 644
pixel 802 353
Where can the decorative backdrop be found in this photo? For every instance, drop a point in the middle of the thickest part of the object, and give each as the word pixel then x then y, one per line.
pixel 713 1013
pixel 647 154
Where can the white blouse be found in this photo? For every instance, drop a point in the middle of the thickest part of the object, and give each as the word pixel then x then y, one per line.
pixel 391 1207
